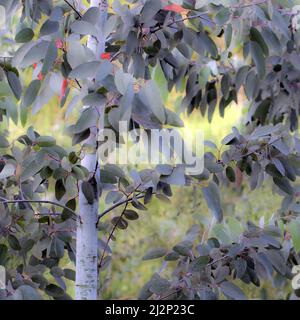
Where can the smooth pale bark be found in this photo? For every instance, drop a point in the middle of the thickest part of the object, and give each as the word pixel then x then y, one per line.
pixel 87 243
pixel 87 233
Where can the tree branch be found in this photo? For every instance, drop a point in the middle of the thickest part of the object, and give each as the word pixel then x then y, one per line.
pixel 116 206
pixel 177 290
pixel 111 234
pixel 73 8
pixel 116 224
pixel 199 15
pixel 6 201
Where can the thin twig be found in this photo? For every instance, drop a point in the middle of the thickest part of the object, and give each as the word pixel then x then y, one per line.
pixel 116 224
pixel 179 289
pixel 79 85
pixel 220 259
pixel 115 56
pixel 195 16
pixel 262 147
pixel 170 294
pixel 111 235
pixel 199 15
pixel 6 201
pixel 117 205
pixel 73 8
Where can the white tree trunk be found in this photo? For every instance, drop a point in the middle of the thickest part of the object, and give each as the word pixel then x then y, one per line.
pixel 87 234
pixel 87 243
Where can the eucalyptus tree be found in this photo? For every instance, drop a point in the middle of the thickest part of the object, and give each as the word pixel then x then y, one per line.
pixel 106 59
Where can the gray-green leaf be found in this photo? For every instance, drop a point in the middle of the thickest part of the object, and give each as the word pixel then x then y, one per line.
pixel 212 196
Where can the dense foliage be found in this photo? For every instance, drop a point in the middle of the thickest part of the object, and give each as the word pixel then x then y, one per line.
pixel 207 51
